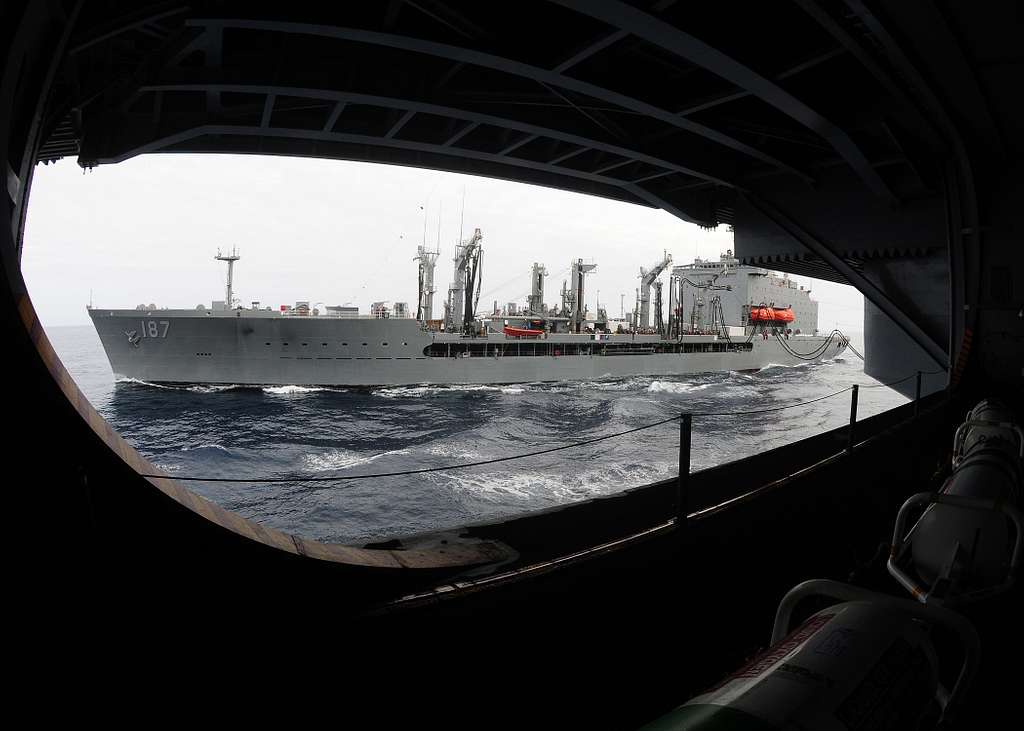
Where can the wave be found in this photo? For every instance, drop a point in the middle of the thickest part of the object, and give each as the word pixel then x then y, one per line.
pixel 453 452
pixel 138 382
pixel 221 447
pixel 676 387
pixel 539 489
pixel 415 391
pixel 293 390
pixel 342 459
pixel 193 388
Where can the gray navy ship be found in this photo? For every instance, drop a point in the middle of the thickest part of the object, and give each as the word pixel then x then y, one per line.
pixel 723 316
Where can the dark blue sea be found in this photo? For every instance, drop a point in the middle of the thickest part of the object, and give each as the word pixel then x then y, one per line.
pixel 295 431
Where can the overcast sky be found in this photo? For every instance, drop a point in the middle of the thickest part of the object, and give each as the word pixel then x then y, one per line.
pixel 146 230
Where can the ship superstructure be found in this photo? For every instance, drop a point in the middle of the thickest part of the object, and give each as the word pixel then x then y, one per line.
pixel 741 288
pixel 721 317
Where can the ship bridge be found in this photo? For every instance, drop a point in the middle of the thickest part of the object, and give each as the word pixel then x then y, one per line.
pixel 872 143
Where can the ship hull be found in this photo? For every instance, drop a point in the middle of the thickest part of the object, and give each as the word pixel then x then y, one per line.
pixel 262 348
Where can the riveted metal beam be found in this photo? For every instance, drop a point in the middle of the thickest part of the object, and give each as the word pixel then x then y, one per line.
pixel 505 65
pixel 360 139
pixel 667 36
pixel 474 118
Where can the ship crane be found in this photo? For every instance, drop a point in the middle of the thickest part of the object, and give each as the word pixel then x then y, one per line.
pixel 647 278
pixel 461 305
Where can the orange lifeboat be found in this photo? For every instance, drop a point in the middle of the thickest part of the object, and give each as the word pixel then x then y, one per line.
pixel 771 314
pixel 522 332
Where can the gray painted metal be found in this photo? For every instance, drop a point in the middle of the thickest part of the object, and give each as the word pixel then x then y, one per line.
pixel 261 347
pixel 518 68
pixel 750 286
pixel 865 285
pixel 660 33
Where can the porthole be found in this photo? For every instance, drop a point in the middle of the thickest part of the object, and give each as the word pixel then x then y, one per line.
pixel 364 345
pixel 344 345
pixel 384 345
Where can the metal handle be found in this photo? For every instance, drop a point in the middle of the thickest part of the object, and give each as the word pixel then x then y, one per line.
pixel 946 618
pixel 970 503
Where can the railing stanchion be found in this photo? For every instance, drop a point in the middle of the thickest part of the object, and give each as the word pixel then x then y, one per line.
pixel 853 418
pixel 683 485
pixel 917 395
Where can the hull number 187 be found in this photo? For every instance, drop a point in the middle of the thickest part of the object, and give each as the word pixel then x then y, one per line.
pixel 155 329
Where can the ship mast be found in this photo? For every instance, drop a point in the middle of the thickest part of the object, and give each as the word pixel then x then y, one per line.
pixel 230 259
pixel 427 260
pixel 535 302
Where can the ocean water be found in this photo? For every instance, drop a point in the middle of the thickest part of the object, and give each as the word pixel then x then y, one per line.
pixel 292 431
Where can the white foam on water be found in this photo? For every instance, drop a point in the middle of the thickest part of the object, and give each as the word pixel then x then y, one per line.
pixel 785 365
pixel 221 447
pixel 291 390
pixel 453 452
pixel 211 388
pixel 342 459
pixel 675 387
pixel 541 489
pixel 167 467
pixel 126 379
pixel 403 391
pixel 512 390
pixel 416 391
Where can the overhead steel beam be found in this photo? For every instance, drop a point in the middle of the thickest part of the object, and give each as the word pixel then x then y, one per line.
pixel 371 140
pixel 743 93
pixel 123 26
pixel 965 241
pixel 335 113
pixel 517 144
pixel 449 18
pixel 268 110
pixel 645 178
pixel 614 165
pixel 460 134
pixel 653 30
pixel 868 288
pixel 396 128
pixel 475 118
pixel 853 46
pixel 605 42
pixel 568 155
pixel 590 50
pixel 505 65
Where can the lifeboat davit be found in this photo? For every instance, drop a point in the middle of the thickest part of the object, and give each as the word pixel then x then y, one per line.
pixel 522 332
pixel 771 314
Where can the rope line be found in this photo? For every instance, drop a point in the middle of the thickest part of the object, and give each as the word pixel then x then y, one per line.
pixel 774 408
